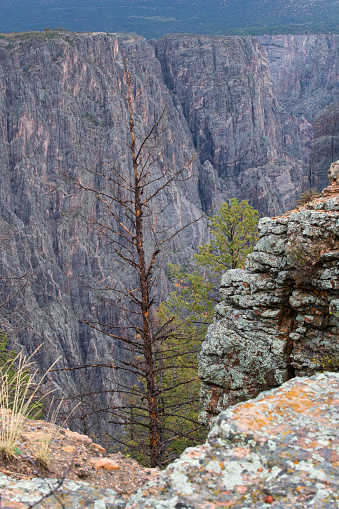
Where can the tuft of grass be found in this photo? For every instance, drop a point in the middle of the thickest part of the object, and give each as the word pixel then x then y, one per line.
pixel 42 453
pixel 20 398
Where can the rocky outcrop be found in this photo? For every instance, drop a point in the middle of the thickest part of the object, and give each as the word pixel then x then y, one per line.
pixel 279 450
pixel 278 317
pixel 325 145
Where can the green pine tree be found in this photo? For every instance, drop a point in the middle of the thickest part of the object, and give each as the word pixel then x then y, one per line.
pixel 186 314
pixel 233 232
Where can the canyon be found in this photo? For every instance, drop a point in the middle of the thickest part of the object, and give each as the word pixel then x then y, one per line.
pixel 246 105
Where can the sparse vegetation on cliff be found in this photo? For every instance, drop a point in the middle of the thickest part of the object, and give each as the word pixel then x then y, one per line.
pixel 305 255
pixel 307 196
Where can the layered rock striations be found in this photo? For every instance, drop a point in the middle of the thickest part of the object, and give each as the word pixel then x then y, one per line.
pixel 325 145
pixel 250 104
pixel 279 316
pixel 62 109
pixel 304 71
pixel 279 450
pixel 225 88
pixel 305 74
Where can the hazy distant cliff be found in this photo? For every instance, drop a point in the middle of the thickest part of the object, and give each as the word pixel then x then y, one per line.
pixel 250 108
pixel 62 108
pixel 305 74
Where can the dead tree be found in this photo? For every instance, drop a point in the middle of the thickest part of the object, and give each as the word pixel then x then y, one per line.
pixel 131 198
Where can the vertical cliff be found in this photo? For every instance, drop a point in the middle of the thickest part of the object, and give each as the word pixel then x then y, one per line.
pixel 225 88
pixel 304 71
pixel 250 105
pixel 62 108
pixel 279 316
pixel 325 145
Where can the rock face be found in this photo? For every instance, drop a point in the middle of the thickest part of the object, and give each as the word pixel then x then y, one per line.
pixel 325 145
pixel 278 318
pixel 62 108
pixel 279 450
pixel 225 88
pixel 304 71
pixel 250 108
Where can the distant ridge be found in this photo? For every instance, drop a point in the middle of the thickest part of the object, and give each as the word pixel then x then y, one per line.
pixel 153 19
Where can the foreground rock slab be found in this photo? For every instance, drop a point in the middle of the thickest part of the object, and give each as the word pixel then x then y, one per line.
pixel 280 450
pixel 49 493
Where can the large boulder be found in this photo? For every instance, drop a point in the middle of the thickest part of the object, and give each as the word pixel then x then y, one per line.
pixel 280 450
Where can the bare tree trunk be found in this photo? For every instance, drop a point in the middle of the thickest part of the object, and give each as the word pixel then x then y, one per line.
pixel 135 194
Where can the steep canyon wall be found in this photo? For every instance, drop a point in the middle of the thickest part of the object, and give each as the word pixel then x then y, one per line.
pixel 250 104
pixel 62 108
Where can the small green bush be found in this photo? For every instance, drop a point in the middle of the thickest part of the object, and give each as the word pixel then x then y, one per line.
pixel 328 364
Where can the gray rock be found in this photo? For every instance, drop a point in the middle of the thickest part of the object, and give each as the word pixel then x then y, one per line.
pixel 325 145
pixel 279 450
pixel 278 316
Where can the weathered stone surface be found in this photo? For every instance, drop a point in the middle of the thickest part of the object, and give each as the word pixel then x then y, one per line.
pixel 278 317
pixel 67 494
pixel 280 449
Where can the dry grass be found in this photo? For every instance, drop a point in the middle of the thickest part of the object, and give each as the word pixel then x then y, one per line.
pixel 42 453
pixel 19 398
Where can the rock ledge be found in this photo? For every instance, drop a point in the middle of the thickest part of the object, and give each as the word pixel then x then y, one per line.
pixel 280 449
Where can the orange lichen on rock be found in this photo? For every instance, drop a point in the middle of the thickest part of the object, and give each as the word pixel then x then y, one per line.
pixel 253 416
pixel 281 448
